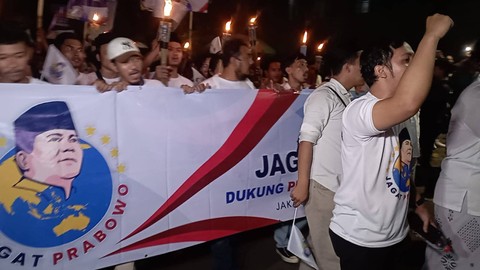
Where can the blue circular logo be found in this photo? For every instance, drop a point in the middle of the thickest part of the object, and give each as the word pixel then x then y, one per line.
pixel 39 215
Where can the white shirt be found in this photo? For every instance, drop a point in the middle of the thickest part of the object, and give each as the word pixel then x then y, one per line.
pixel 197 76
pixel 286 86
pixel 371 203
pixel 217 82
pixel 148 82
pixel 179 81
pixel 111 80
pixel 322 126
pixel 35 81
pixel 86 78
pixel 460 174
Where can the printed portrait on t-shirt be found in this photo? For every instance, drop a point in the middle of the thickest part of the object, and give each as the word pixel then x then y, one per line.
pixel 402 167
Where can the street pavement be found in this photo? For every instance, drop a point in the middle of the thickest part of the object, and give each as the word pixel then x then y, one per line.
pixel 255 250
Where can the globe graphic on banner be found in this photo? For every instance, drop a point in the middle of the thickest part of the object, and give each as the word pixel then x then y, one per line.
pixel 45 217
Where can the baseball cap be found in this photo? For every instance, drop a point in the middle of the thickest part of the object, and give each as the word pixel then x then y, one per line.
pixel 121 49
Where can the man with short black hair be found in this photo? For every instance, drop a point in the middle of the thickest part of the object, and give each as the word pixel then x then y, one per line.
pixel 175 58
pixel 371 203
pixel 272 69
pixel 107 76
pixel 296 68
pixel 319 162
pixel 236 59
pixel 15 54
pixel 106 69
pixel 169 74
pixel 71 46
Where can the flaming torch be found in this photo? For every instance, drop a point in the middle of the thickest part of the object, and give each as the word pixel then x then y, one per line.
pixel 164 30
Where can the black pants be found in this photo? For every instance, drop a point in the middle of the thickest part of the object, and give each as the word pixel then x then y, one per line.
pixel 362 258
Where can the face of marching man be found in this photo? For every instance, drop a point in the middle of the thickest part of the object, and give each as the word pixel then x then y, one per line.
pixel 14 59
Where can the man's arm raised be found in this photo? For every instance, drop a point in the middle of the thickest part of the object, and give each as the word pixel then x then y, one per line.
pixel 416 81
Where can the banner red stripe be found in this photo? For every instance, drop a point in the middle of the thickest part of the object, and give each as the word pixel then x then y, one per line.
pixel 265 111
pixel 201 231
pixel 204 9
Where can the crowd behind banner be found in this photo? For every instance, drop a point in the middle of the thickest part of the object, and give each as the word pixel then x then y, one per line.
pixel 372 104
pixel 144 172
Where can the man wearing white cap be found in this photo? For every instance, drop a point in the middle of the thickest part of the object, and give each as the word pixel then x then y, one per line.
pixel 128 62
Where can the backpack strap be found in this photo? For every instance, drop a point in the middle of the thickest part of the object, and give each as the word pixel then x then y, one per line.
pixel 335 92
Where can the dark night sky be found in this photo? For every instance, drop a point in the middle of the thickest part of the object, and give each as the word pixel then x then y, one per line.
pixel 281 25
pixel 339 19
pixel 282 28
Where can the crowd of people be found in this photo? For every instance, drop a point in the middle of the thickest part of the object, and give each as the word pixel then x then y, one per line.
pixel 358 140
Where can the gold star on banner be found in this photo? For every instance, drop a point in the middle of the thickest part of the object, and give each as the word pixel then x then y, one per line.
pixel 114 152
pixel 105 139
pixel 121 168
pixel 84 146
pixel 90 130
pixel 3 141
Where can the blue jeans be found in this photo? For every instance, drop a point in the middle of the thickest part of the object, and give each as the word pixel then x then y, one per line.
pixel 282 232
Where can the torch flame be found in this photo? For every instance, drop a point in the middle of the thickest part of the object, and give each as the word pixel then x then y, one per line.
pixel 95 17
pixel 167 10
pixel 227 26
pixel 252 20
pixel 320 47
pixel 187 45
pixel 304 41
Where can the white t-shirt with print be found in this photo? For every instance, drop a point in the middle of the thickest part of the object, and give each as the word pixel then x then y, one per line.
pixel 371 202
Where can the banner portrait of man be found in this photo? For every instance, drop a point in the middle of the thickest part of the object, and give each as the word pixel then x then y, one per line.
pixel 43 181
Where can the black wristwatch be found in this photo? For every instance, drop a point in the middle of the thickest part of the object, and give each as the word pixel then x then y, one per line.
pixel 420 201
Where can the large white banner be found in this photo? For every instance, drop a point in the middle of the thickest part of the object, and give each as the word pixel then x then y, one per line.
pixel 89 180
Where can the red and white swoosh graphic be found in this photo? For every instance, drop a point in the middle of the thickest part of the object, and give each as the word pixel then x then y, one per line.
pixel 200 231
pixel 264 112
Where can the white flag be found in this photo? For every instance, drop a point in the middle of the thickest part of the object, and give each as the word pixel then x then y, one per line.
pixel 86 9
pixel 299 246
pixel 199 5
pixel 215 45
pixel 197 76
pixel 57 69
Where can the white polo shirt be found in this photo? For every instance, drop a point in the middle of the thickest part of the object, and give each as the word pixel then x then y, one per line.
pixel 460 174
